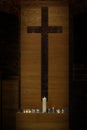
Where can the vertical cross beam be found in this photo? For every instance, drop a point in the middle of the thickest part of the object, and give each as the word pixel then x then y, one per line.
pixel 44 53
pixel 44 30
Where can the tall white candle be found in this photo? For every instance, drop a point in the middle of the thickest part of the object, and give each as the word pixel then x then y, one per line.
pixel 44 104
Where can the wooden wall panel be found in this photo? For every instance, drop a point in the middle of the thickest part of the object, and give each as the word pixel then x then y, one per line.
pixel 30 59
pixel 58 58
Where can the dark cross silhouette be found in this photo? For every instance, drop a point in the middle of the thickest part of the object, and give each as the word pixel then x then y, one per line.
pixel 44 30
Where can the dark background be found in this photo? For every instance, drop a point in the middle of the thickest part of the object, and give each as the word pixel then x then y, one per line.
pixel 10 55
pixel 78 72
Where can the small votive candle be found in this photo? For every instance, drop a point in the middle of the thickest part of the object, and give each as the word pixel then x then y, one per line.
pixel 24 111
pixel 58 111
pixel 62 111
pixel 37 110
pixel 53 109
pixel 33 110
pixel 27 111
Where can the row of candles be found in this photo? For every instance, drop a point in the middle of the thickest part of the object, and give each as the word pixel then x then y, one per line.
pixel 44 109
pixel 49 110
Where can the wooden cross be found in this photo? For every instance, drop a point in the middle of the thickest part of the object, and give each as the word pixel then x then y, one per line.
pixel 44 30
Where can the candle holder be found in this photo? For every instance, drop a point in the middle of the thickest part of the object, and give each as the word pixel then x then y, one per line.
pixel 53 110
pixel 49 110
pixel 33 110
pixel 62 111
pixel 37 110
